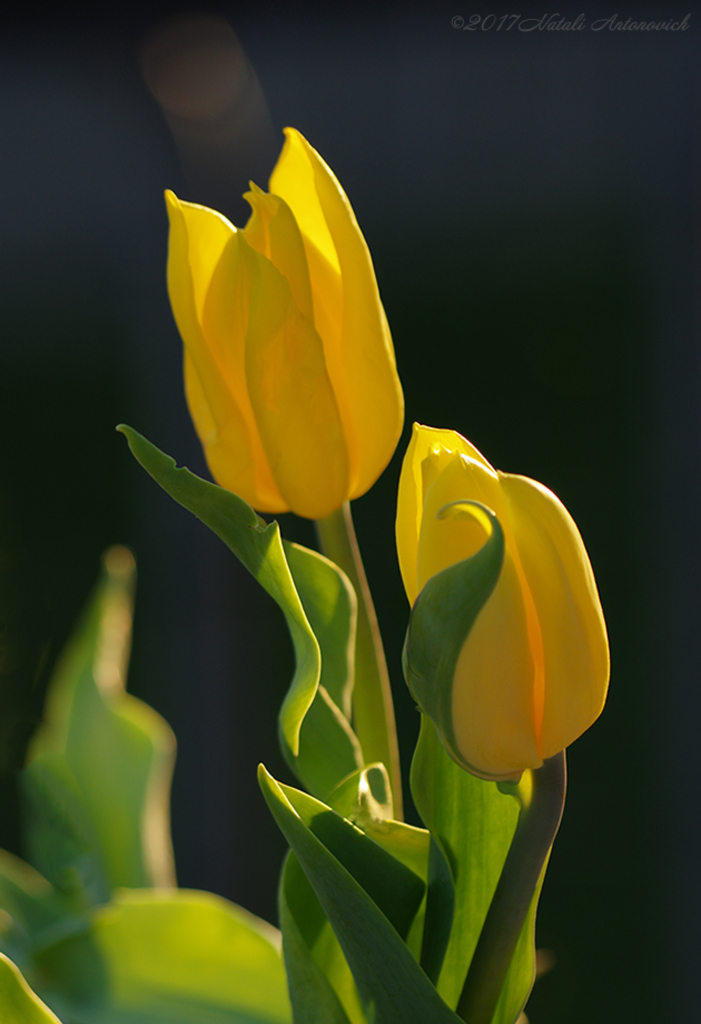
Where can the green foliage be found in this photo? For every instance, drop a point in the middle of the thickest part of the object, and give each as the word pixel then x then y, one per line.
pixel 363 898
pixel 472 824
pixel 92 827
pixel 369 898
pixel 18 1003
pixel 176 956
pixel 315 734
pixel 96 790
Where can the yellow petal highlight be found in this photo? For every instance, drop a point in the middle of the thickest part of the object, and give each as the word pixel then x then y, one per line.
pixel 348 312
pixel 493 714
pixel 532 674
pixel 442 543
pixel 410 502
pixel 273 232
pixel 561 580
pixel 293 400
pixel 209 285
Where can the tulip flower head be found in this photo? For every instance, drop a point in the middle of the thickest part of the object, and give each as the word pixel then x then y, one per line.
pixel 290 373
pixel 532 672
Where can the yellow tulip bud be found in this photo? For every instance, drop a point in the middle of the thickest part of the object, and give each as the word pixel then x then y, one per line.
pixel 290 373
pixel 532 671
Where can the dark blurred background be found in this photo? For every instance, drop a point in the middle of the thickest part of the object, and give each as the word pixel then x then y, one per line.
pixel 529 201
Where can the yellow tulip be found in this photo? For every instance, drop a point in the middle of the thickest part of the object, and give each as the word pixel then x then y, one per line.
pixel 532 673
pixel 290 373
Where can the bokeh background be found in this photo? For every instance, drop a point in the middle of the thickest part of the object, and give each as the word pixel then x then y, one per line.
pixel 529 201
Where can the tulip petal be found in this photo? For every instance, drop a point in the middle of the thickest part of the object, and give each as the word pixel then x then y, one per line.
pixel 493 708
pixel 348 312
pixel 410 502
pixel 240 458
pixel 207 289
pixel 443 542
pixel 273 232
pixel 292 398
pixel 228 451
pixel 561 581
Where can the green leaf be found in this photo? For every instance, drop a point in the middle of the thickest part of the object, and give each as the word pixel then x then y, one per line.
pixel 18 1004
pixel 106 826
pixel 393 988
pixel 396 889
pixel 322 990
pixel 62 843
pixel 32 912
pixel 328 748
pixel 472 824
pixel 364 796
pixel 441 619
pixel 332 610
pixel 323 749
pixel 176 957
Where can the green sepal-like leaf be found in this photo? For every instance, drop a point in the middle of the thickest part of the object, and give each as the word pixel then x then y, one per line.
pixel 324 749
pixel 441 619
pixel 393 988
pixel 18 1004
pixel 472 824
pixel 167 957
pixel 94 823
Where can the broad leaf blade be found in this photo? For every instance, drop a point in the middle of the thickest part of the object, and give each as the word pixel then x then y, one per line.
pixel 396 889
pixel 61 841
pixel 322 990
pixel 259 547
pixel 472 823
pixel 35 913
pixel 91 729
pixel 328 747
pixel 392 986
pixel 18 1004
pixel 332 609
pixel 176 957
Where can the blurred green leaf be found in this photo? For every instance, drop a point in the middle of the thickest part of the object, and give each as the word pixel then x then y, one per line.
pixel 33 912
pixel 18 1004
pixel 359 892
pixel 316 738
pixel 176 957
pixel 100 765
pixel 62 843
pixel 472 824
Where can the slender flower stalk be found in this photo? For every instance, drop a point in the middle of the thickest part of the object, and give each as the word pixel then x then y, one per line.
pixel 535 833
pixel 373 711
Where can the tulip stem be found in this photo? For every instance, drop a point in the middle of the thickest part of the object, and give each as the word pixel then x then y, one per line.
pixel 537 827
pixel 373 710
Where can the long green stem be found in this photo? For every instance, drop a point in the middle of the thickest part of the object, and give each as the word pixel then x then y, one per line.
pixel 373 711
pixel 537 827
